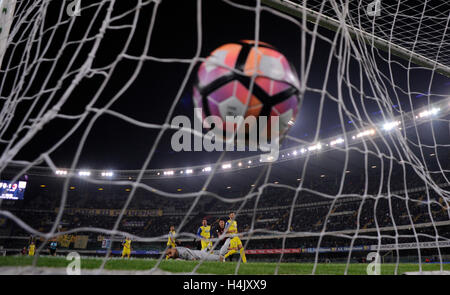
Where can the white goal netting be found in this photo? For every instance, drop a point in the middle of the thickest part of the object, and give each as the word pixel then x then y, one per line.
pixel 364 169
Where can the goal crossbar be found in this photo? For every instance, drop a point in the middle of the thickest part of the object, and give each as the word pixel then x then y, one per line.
pixel 299 10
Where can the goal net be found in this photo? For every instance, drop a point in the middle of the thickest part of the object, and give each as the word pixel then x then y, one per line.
pixel 362 176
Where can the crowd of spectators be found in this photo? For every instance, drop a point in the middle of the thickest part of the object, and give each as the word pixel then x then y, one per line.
pixel 323 206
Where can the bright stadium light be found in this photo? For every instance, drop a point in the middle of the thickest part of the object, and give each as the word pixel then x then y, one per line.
pixel 336 141
pixel 428 113
pixel 226 166
pixel 170 172
pixel 206 169
pixel 315 147
pixel 390 125
pixel 189 171
pixel 295 153
pixel 107 174
pixel 84 173
pixel 365 133
pixel 250 162
pixel 61 172
pixel 269 158
pixel 303 151
pixel 239 164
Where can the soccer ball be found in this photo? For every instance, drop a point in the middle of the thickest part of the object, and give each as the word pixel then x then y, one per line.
pixel 224 79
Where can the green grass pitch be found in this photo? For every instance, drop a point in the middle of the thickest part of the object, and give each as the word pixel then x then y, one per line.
pixel 217 267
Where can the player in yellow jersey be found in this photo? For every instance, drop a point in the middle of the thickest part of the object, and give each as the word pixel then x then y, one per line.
pixel 204 233
pixel 233 244
pixel 126 248
pixel 171 241
pixel 31 249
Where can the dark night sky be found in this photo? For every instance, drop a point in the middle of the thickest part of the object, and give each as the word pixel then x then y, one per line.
pixel 115 144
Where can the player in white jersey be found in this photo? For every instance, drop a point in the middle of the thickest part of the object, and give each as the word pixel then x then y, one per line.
pixel 188 254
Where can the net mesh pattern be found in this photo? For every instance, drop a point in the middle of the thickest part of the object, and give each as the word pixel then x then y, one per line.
pixel 52 55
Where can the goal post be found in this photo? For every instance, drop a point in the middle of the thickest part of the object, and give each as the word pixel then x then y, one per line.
pixel 7 9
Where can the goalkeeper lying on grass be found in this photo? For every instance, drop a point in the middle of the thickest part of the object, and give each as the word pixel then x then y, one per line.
pixel 188 254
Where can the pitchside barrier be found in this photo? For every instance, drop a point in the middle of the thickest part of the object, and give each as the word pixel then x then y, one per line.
pixel 385 250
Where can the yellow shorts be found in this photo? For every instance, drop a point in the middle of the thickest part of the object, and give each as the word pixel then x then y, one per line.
pixel 206 244
pixel 126 252
pixel 235 242
pixel 31 253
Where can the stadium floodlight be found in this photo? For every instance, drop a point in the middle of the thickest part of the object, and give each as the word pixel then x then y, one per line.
pixel 250 162
pixel 295 153
pixel 303 151
pixel 315 147
pixel 84 173
pixel 365 133
pixel 336 141
pixel 390 125
pixel 169 172
pixel 189 171
pixel 107 174
pixel 240 164
pixel 269 158
pixel 207 169
pixel 226 166
pixel 428 113
pixel 61 172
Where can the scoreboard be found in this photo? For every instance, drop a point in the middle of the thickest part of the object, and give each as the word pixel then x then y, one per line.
pixel 12 190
